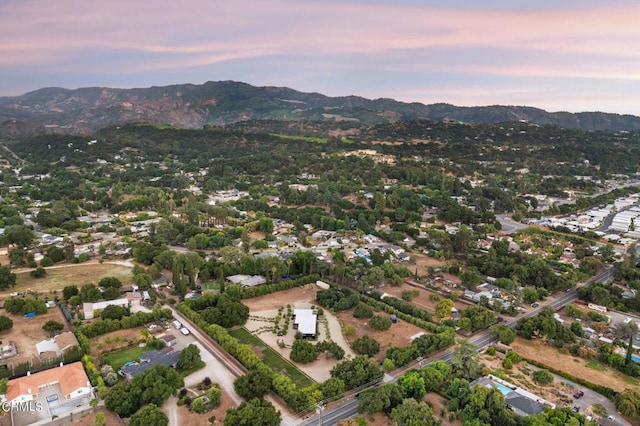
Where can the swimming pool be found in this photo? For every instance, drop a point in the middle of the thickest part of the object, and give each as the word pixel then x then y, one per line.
pixel 636 358
pixel 502 388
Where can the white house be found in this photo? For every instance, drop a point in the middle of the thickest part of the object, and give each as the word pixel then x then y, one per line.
pixel 89 308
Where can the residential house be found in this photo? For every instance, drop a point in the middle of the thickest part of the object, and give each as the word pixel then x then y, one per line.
pixel 167 356
pixel 305 321
pixel 61 389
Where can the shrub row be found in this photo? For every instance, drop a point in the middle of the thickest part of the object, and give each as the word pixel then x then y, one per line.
pixel 379 304
pixel 261 290
pixel 94 375
pixel 100 327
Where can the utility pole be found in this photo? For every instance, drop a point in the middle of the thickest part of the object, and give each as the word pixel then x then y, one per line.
pixel 319 410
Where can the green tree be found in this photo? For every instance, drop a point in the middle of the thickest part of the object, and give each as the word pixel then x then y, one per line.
pixel 69 291
pixel 504 333
pixel 366 345
pixel 189 358
pixel 357 372
pixel 413 413
pixel 362 310
pixel 100 420
pixel 114 312
pixel 413 385
pixel 380 399
pixel 542 376
pixel 470 278
pixel 628 403
pixel 254 384
pixel 149 415
pixel 215 396
pixel 303 352
pixel 143 280
pixel 7 278
pixel 198 406
pixel 255 412
pixel 465 360
pixel 378 322
pixel 443 308
pixel 52 326
pixel 5 324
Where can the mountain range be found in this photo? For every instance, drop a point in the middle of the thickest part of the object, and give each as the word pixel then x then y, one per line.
pixel 85 110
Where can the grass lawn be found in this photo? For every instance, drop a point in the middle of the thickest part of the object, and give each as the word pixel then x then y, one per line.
pixel 118 359
pixel 300 138
pixel 185 373
pixel 211 285
pixel 595 365
pixel 73 274
pixel 272 358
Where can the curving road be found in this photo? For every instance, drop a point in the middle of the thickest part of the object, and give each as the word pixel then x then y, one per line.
pixel 482 340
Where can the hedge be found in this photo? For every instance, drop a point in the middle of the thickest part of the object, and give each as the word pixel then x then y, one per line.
pixel 261 290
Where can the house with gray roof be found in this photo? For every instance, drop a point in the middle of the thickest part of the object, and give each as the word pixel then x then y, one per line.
pixel 149 360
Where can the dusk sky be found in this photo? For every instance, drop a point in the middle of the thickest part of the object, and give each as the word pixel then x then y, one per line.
pixel 561 55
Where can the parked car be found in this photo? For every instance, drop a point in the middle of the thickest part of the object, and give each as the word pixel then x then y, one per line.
pixel 578 394
pixel 184 330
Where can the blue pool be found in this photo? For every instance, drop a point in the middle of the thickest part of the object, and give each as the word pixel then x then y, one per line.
pixel 636 358
pixel 502 388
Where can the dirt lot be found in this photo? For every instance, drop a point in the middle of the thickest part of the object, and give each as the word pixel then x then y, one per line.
pixel 110 418
pixel 110 342
pixel 422 301
pixel 282 298
pixel 398 335
pixel 27 332
pixel 575 366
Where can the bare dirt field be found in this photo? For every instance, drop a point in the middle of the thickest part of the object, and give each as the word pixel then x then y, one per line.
pixel 282 298
pixel 59 276
pixel 113 341
pixel 575 366
pixel 27 332
pixel 437 403
pixel 398 335
pixel 422 301
pixel 110 418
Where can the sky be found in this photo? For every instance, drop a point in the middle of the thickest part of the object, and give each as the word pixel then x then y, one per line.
pixel 559 55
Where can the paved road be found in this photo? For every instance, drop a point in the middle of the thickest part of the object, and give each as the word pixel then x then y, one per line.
pixel 482 340
pixel 509 225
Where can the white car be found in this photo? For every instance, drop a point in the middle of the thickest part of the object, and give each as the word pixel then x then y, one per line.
pixel 612 418
pixel 184 330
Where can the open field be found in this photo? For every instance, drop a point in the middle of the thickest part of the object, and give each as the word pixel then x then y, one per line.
pixel 27 332
pixel 110 418
pixel 271 358
pixel 113 341
pixel 282 298
pixel 59 276
pixel 575 366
